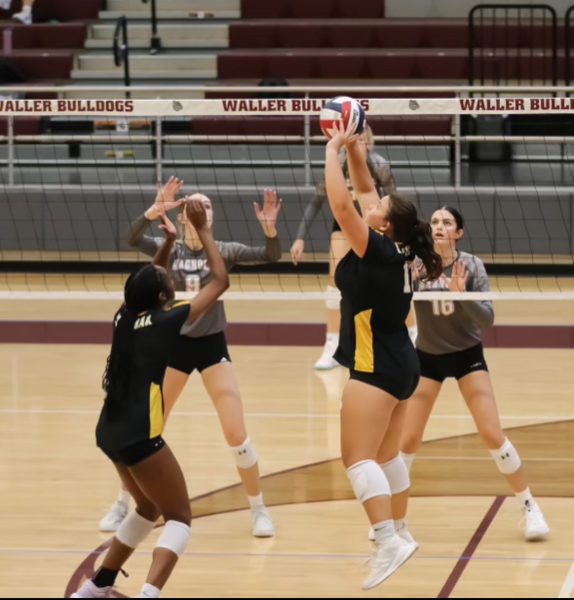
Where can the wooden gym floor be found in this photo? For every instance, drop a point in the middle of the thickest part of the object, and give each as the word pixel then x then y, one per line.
pixel 56 485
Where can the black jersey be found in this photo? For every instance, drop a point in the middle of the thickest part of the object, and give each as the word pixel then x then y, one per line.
pixel 140 414
pixel 376 292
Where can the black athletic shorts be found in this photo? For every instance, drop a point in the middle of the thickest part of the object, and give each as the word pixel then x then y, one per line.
pixel 400 388
pixel 454 364
pixel 134 454
pixel 198 353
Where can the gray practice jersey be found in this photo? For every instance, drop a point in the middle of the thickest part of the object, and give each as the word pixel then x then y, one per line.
pixel 190 271
pixel 380 171
pixel 450 326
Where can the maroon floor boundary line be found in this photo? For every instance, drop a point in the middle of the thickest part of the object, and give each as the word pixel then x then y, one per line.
pixel 529 336
pixel 86 569
pixel 470 549
pixel 268 334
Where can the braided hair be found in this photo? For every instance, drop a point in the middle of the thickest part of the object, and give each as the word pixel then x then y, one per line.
pixel 141 292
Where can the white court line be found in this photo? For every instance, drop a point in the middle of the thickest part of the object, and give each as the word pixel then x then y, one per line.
pixel 568 585
pixel 487 458
pixel 308 555
pixel 266 415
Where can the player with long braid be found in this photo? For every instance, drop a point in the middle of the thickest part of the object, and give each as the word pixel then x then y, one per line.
pixel 205 346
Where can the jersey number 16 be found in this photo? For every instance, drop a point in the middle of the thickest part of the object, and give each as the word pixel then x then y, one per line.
pixel 442 307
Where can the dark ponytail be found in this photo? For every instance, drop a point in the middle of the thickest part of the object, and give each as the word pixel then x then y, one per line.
pixel 141 293
pixel 410 231
pixel 422 245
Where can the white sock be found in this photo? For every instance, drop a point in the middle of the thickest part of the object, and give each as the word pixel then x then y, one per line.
pixel 408 459
pixel 256 501
pixel 399 524
pixel 27 10
pixel 124 497
pixel 332 338
pixel 525 498
pixel 149 591
pixel 384 530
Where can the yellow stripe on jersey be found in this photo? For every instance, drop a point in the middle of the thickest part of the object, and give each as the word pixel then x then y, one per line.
pixel 364 354
pixel 179 304
pixel 156 422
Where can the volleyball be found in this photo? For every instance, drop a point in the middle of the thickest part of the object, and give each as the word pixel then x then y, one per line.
pixel 342 110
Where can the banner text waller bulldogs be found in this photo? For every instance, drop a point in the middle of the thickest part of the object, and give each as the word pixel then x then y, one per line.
pixel 291 106
pixel 67 106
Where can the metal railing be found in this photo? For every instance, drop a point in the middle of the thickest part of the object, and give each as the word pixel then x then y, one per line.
pixel 509 42
pixel 155 42
pixel 121 50
pixel 155 136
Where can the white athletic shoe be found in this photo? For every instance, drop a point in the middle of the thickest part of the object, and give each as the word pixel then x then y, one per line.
pixel 386 559
pixel 407 535
pixel 24 17
pixel 533 523
pixel 262 523
pixel 326 360
pixel 90 590
pixel 114 517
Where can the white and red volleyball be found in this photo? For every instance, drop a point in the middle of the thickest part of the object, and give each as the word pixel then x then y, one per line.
pixel 342 110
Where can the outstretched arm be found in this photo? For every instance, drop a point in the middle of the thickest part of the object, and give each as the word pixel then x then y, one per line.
pixel 268 214
pixel 161 258
pixel 340 200
pixel 381 171
pixel 312 209
pixel 165 200
pixel 363 182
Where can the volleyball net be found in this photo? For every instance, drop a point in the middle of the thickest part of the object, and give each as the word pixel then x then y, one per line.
pixel 76 174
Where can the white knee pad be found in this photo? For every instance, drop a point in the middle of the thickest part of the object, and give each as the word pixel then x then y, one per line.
pixel 397 475
pixel 245 455
pixel 332 298
pixel 506 458
pixel 133 530
pixel 368 480
pixel 408 459
pixel 175 537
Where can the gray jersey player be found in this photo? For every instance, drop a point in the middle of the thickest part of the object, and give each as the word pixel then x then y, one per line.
pixel 449 344
pixel 204 347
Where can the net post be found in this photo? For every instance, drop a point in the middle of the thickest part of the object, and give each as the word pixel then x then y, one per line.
pixel 307 144
pixel 11 153
pixel 158 151
pixel 457 152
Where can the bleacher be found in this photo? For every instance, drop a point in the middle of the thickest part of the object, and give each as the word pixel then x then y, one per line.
pixel 217 43
pixel 45 51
